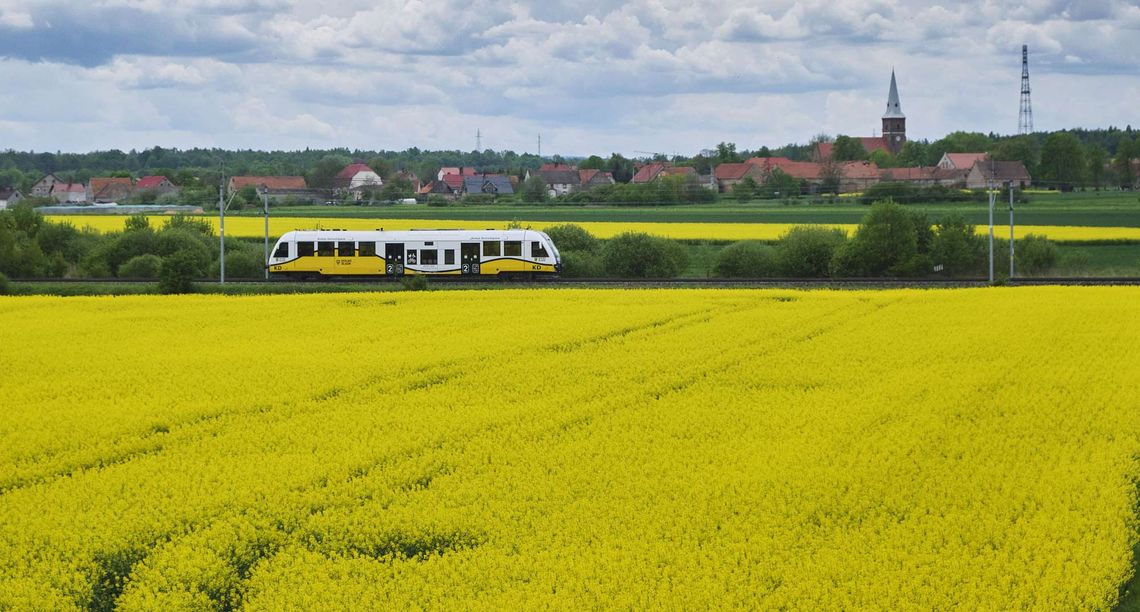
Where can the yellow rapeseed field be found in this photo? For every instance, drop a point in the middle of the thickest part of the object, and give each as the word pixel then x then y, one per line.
pixel 571 449
pixel 253 227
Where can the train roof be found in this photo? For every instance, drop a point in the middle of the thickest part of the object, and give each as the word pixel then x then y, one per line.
pixel 413 235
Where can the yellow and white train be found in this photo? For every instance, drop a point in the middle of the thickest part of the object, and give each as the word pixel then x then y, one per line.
pixel 325 253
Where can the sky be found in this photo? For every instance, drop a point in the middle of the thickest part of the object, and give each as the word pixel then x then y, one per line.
pixel 590 76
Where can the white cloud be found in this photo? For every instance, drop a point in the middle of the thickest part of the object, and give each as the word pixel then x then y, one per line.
pixel 596 75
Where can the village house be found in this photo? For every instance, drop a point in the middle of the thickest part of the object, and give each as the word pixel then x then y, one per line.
pixel 355 176
pixel 590 178
pixel 9 196
pixel 490 184
pixel 990 172
pixel 69 193
pixel 463 171
pixel 560 179
pixel 925 176
pixel 105 190
pixel 276 187
pixel 728 175
pixel 960 161
pixel 155 185
pixel 43 187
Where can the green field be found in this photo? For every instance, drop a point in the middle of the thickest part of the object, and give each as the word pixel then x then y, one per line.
pixel 1095 209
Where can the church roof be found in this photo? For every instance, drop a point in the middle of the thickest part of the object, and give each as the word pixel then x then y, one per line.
pixel 894 109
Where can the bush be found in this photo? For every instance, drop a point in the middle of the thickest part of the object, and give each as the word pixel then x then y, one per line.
pixel 582 264
pixel 639 255
pixel 414 282
pixel 957 248
pixel 179 271
pixel 5 286
pixel 192 224
pixel 129 245
pixel 806 252
pixel 570 237
pixel 746 259
pixel 142 266
pixel 887 241
pixel 1035 254
pixel 242 263
pixel 438 200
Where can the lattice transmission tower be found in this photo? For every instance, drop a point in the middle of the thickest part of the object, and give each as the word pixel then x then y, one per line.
pixel 1025 118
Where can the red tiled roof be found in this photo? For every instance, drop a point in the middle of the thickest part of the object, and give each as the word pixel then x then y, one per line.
pixel 586 175
pixel 553 167
pixel 648 172
pixel 732 172
pixel 69 187
pixel 454 181
pixel 809 171
pixel 352 170
pixel 679 171
pixel 465 171
pixel 860 170
pixel 270 182
pixel 150 182
pixel 965 161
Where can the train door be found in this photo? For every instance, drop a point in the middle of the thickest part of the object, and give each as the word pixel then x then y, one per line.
pixel 469 258
pixel 394 259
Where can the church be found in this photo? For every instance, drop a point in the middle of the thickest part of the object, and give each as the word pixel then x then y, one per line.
pixel 894 130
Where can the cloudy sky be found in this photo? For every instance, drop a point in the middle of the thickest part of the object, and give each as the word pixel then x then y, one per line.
pixel 592 76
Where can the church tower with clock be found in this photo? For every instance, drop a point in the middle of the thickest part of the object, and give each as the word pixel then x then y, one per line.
pixel 894 121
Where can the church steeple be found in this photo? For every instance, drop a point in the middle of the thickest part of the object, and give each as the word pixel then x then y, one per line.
pixel 894 121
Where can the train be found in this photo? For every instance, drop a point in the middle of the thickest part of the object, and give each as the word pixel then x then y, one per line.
pixel 324 253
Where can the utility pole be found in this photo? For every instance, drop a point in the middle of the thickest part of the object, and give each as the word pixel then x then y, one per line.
pixel 1010 183
pixel 265 204
pixel 222 230
pixel 479 140
pixel 993 196
pixel 540 145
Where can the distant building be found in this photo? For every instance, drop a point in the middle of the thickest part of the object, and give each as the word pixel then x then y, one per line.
pixel 960 161
pixel 560 179
pixel 728 175
pixel 9 196
pixel 355 176
pixel 588 179
pixel 490 184
pixel 456 171
pixel 157 185
pixel 102 190
pixel 894 130
pixel 43 187
pixel 987 172
pixel 69 193
pixel 277 187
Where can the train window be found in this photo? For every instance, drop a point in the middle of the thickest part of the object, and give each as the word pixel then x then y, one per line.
pixel 537 249
pixel 282 251
pixel 449 257
pixel 305 249
pixel 429 257
pixel 367 249
pixel 325 249
pixel 491 248
pixel 512 248
pixel 346 249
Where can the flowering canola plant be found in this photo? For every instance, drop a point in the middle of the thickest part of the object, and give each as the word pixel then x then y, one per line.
pixel 255 227
pixel 571 448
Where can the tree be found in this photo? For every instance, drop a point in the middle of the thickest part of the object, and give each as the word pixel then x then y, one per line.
pixel 831 175
pixel 324 172
pixel 534 189
pixel 570 237
pixel 1097 158
pixel 745 189
pixel 957 248
pixel 1019 148
pixel 847 148
pixel 915 153
pixel 883 158
pixel 781 184
pixel 806 251
pixel 1126 149
pixel 887 243
pixel 1062 161
pixel 726 153
pixel 593 162
pixel 746 259
pixel 639 255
